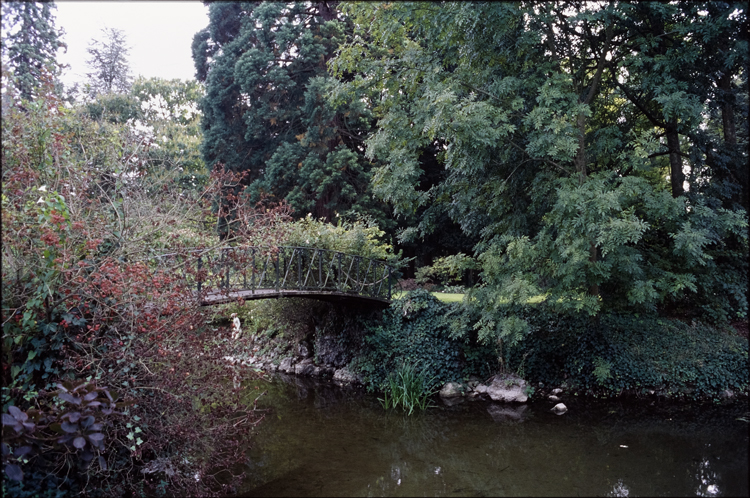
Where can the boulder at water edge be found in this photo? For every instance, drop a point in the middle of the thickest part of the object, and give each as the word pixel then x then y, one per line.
pixel 345 376
pixel 287 365
pixel 271 367
pixel 305 367
pixel 507 388
pixel 451 390
pixel 559 408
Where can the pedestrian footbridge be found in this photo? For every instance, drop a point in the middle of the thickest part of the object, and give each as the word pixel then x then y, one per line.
pixel 231 274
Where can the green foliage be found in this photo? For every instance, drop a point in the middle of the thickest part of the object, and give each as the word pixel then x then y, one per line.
pixel 265 111
pixel 164 115
pixel 114 108
pixel 82 212
pixel 29 45
pixel 602 370
pixel 632 353
pixel 72 196
pixel 632 268
pixel 415 331
pixel 408 388
pixel 567 168
pixel 169 111
pixel 362 237
pixel 446 270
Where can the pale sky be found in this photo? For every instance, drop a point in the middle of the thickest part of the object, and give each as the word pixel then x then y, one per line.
pixel 158 33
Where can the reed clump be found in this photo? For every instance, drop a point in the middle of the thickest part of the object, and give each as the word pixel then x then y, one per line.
pixel 408 388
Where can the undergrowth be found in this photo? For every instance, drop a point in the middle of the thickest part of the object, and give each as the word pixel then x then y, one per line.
pixel 605 356
pixel 621 353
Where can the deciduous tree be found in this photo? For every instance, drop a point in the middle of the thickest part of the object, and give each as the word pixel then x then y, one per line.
pixel 169 109
pixel 109 62
pixel 553 120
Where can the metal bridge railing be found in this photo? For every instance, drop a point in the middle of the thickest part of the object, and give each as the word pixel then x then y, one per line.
pixel 230 269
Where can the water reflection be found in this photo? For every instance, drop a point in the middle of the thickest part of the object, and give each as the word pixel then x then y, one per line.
pixel 619 489
pixel 396 475
pixel 506 413
pixel 707 478
pixel 323 440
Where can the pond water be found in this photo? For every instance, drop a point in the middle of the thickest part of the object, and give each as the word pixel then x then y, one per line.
pixel 322 440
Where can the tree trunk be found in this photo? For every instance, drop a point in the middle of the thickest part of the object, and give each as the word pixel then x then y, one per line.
pixel 675 160
pixel 327 10
pixel 727 110
pixel 580 159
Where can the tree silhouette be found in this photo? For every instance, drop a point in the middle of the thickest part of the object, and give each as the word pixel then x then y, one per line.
pixel 111 70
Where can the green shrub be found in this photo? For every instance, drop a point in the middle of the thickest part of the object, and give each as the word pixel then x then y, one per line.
pixel 628 352
pixel 604 356
pixel 363 238
pixel 416 330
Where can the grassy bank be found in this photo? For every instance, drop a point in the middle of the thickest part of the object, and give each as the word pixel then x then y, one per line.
pixel 445 297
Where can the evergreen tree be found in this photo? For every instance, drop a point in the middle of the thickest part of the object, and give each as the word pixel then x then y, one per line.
pixel 109 62
pixel 30 43
pixel 266 112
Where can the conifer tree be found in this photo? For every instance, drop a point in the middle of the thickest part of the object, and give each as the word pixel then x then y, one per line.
pixel 266 111
pixel 29 43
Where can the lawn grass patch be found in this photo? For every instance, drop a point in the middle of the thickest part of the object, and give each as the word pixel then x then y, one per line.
pixel 448 297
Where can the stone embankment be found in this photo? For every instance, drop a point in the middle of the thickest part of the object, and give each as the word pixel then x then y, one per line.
pixel 326 359
pixel 508 389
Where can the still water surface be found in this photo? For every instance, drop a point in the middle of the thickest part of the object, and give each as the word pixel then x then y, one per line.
pixel 321 440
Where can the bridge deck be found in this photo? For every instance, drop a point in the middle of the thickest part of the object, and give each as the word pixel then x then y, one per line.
pixel 219 297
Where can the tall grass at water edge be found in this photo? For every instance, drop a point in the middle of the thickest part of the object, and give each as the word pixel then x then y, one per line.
pixel 409 388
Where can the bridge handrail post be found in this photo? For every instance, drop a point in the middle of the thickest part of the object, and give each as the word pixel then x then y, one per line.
pixel 356 282
pixel 244 270
pixel 379 289
pixel 227 265
pixel 376 292
pixel 276 267
pixel 389 281
pixel 320 269
pixel 338 282
pixel 220 269
pixel 252 275
pixel 299 270
pixel 200 266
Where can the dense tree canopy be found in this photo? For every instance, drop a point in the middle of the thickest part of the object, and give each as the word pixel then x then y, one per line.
pixel 29 43
pixel 265 111
pixel 593 147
